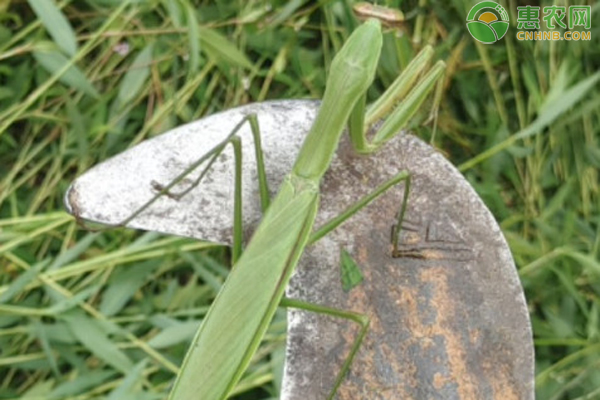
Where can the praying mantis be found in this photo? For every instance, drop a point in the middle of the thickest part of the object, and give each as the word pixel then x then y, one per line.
pixel 240 315
pixel 236 322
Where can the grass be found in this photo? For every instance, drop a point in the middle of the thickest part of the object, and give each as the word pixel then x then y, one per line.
pixel 88 315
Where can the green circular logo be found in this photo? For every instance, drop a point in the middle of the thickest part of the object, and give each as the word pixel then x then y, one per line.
pixel 487 22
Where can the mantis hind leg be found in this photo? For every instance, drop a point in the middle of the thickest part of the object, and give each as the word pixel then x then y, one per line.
pixel 361 319
pixel 208 160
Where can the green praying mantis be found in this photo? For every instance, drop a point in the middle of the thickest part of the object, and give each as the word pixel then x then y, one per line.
pixel 244 307
pixel 240 315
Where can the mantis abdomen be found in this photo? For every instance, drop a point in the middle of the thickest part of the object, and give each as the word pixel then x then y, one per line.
pixel 268 262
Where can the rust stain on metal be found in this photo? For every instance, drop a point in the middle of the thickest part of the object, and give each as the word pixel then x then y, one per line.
pixel 447 311
pixel 74 205
pixel 448 318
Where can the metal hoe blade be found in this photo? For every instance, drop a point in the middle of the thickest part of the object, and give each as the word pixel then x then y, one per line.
pixel 448 317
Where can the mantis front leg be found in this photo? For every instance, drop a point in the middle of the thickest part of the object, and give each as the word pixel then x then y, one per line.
pixel 407 94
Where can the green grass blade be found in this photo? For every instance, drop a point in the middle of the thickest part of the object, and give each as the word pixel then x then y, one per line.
pixel 57 25
pixel 136 77
pixel 219 47
pixel 92 335
pixel 549 113
pixel 54 62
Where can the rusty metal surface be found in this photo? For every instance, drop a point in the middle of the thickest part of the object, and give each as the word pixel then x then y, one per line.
pixel 448 318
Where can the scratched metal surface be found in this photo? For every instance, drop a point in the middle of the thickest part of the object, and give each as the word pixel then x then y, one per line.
pixel 448 319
